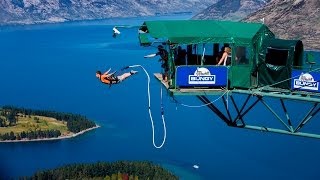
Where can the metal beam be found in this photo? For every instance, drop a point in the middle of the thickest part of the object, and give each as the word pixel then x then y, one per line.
pixel 307 117
pixel 291 96
pixel 241 112
pixel 265 129
pixel 249 108
pixel 287 115
pixel 275 114
pixel 214 109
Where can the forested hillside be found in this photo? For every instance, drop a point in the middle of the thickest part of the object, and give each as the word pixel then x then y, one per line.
pixel 102 170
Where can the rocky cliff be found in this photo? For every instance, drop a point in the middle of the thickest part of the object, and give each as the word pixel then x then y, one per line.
pixel 292 19
pixel 231 9
pixel 43 11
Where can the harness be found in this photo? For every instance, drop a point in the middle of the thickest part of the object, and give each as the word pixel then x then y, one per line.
pixel 112 80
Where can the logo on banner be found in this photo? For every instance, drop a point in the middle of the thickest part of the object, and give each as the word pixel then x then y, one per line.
pixel 306 82
pixel 202 76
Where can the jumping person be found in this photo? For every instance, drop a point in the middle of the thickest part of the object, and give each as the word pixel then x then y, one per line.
pixel 110 78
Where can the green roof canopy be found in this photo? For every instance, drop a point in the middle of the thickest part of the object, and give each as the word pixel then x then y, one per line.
pixel 202 31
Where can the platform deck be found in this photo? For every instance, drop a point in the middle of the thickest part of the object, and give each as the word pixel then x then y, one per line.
pixel 191 91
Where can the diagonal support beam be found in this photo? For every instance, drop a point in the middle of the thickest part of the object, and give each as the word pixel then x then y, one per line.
pixel 214 109
pixel 249 108
pixel 238 111
pixel 241 112
pixel 308 117
pixel 287 115
pixel 275 114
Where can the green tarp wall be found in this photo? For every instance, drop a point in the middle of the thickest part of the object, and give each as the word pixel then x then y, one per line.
pixel 277 60
pixel 250 35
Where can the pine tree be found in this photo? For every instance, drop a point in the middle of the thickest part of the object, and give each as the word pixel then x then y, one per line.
pixel 12 136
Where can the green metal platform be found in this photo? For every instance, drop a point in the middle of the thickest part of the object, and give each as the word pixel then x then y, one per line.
pixel 290 125
pixel 265 92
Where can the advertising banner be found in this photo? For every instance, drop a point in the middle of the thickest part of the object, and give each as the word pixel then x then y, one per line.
pixel 305 81
pixel 201 76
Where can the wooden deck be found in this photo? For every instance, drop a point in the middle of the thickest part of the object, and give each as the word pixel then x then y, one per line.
pixel 190 91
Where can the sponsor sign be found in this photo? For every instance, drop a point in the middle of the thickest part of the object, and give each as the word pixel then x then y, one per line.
pixel 204 76
pixel 305 81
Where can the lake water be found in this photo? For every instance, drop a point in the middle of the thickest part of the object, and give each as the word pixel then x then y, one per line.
pixel 52 67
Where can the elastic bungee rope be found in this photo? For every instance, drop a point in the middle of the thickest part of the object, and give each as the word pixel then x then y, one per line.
pixel 149 109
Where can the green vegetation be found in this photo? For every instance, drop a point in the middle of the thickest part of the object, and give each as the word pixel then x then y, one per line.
pixel 120 170
pixel 20 123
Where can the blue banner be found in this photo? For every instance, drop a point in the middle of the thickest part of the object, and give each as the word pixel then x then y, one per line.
pixel 305 81
pixel 204 76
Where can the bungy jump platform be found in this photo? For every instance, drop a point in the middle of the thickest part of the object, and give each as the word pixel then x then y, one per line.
pixel 252 98
pixel 257 68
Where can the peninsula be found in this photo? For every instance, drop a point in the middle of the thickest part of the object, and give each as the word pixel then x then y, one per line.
pixel 20 124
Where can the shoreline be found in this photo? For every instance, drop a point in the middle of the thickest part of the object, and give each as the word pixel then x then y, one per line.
pixel 53 139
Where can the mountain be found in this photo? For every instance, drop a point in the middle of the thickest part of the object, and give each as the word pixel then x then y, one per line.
pixel 292 19
pixel 44 11
pixel 231 9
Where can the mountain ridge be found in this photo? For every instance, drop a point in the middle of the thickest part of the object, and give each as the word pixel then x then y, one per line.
pixel 51 11
pixel 231 9
pixel 292 19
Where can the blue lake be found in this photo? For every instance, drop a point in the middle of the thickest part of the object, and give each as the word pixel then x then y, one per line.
pixel 52 67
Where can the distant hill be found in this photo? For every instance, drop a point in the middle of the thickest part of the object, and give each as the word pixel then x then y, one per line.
pixel 292 19
pixel 46 11
pixel 231 9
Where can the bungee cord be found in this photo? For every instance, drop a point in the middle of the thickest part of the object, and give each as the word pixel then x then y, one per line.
pixel 149 110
